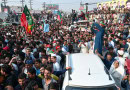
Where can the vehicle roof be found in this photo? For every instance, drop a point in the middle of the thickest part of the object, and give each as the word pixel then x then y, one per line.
pixel 82 64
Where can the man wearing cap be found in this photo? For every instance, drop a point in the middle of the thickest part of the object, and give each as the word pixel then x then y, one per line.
pixel 61 56
pixel 99 31
pixel 28 64
pixel 120 57
pixel 49 49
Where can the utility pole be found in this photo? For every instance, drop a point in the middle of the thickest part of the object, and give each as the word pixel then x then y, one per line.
pixel 86 4
pixel 30 2
pixel 86 7
pixel 22 1
pixel 44 5
pixel 4 1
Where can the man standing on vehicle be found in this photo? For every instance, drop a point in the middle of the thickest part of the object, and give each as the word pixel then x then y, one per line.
pixel 98 29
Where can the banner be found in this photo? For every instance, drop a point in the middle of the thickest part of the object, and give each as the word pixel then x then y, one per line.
pixel 46 27
pixel 113 4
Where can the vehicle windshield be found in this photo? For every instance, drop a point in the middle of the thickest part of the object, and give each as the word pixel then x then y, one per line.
pixel 80 88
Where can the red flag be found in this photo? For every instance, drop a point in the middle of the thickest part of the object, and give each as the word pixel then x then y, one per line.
pixel 24 22
pixel 60 17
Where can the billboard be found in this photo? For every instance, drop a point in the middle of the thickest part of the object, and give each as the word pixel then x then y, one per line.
pixel 112 4
pixel 52 6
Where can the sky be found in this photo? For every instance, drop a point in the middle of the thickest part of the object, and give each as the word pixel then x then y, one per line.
pixel 65 5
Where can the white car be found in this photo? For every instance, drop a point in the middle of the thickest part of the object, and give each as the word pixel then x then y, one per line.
pixel 88 73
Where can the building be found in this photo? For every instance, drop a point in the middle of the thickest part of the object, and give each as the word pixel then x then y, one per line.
pixel 16 9
pixel 52 7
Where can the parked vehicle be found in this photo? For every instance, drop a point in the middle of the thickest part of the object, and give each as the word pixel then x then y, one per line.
pixel 88 73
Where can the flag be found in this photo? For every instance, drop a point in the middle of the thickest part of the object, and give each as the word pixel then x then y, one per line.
pixel 27 20
pixel 86 17
pixel 46 27
pixel 59 17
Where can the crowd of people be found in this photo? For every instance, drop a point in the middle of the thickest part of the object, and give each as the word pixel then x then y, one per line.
pixel 37 61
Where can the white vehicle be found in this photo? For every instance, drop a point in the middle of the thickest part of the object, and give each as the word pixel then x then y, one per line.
pixel 88 73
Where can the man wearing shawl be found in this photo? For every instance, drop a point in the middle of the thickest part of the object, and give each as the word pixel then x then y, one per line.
pixel 118 72
pixel 99 31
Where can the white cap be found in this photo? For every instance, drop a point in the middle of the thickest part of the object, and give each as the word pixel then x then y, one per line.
pixel 120 52
pixel 53 55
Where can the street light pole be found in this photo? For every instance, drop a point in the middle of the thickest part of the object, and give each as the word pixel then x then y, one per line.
pixel 22 1
pixel 30 2
pixel 4 1
pixel 44 5
pixel 86 7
